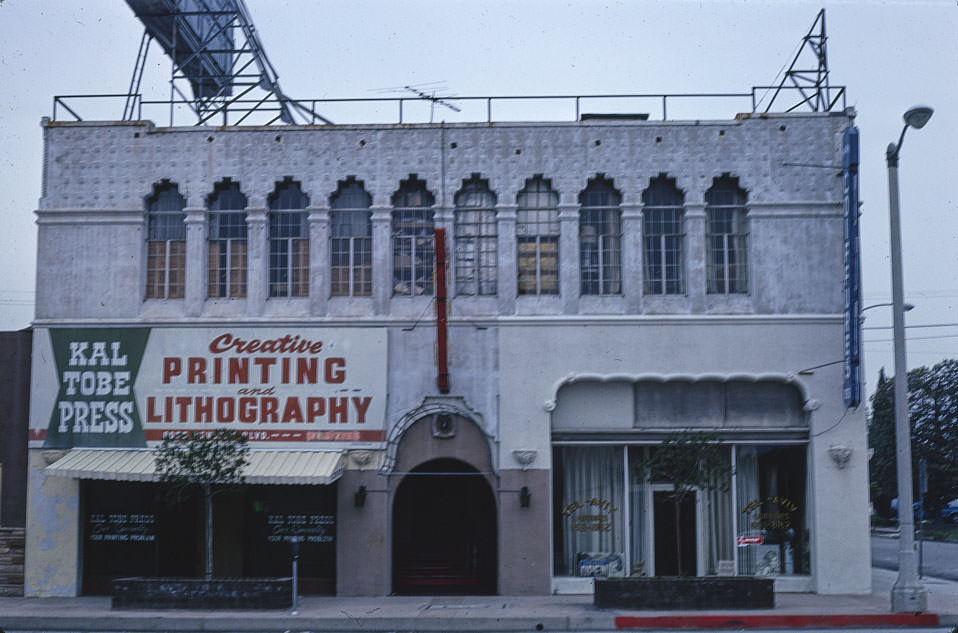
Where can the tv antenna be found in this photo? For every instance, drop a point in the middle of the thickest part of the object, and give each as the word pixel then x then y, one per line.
pixel 218 66
pixel 808 73
pixel 427 92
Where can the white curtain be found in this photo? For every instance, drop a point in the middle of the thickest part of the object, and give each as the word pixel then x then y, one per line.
pixel 717 510
pixel 591 511
pixel 747 492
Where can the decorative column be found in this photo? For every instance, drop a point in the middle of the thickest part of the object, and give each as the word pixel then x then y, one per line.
pixel 569 278
pixel 507 281
pixel 257 260
pixel 382 259
pixel 632 273
pixel 319 260
pixel 197 261
pixel 695 257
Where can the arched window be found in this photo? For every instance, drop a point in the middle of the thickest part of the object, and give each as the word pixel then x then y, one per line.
pixel 165 242
pixel 288 241
pixel 413 238
pixel 600 238
pixel 537 238
pixel 476 238
pixel 726 235
pixel 351 240
pixel 663 228
pixel 227 240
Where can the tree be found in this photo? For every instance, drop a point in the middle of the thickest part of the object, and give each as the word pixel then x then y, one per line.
pixel 211 461
pixel 933 413
pixel 690 461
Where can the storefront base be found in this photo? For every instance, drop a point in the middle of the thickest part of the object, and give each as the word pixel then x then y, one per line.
pixel 571 585
pixel 712 592
pixel 199 593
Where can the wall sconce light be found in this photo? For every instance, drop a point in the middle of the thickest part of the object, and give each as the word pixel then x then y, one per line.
pixel 840 455
pixel 359 499
pixel 525 496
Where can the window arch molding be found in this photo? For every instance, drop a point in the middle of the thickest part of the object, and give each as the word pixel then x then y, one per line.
pixel 726 236
pixel 663 236
pixel 288 240
pixel 476 237
pixel 165 241
pixel 600 237
pixel 227 240
pixel 350 237
pixel 537 237
pixel 413 223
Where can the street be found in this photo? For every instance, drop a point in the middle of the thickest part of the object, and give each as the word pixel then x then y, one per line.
pixel 940 559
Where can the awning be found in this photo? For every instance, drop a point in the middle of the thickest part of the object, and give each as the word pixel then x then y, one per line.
pixel 265 466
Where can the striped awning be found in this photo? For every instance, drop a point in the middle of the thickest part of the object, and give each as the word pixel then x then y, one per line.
pixel 265 466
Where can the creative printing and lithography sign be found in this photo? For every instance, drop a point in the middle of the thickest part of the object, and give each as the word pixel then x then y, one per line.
pixel 125 387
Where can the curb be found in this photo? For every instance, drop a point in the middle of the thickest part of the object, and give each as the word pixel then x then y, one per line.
pixel 776 621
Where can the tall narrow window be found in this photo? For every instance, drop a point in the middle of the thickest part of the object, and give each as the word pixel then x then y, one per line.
pixel 600 238
pixel 413 238
pixel 726 237
pixel 227 240
pixel 664 234
pixel 476 237
pixel 537 238
pixel 288 241
pixel 351 240
pixel 165 243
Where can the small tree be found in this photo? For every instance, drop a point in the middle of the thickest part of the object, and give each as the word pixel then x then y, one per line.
pixel 690 461
pixel 211 461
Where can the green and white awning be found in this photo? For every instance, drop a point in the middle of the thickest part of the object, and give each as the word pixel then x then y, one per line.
pixel 265 466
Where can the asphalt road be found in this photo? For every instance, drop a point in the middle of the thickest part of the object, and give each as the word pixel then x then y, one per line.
pixel 939 559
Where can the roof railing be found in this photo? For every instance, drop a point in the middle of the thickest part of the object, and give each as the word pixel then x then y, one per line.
pixel 413 110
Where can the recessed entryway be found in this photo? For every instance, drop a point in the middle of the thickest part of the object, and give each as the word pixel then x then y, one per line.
pixel 444 531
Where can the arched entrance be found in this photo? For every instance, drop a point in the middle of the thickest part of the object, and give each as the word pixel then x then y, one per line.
pixel 444 531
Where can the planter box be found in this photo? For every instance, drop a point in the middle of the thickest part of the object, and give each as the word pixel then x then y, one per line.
pixel 199 593
pixel 664 592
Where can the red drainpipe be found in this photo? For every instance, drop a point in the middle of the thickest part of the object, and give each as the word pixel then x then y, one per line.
pixel 442 334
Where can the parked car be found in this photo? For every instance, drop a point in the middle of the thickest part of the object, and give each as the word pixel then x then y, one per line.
pixel 915 506
pixel 949 513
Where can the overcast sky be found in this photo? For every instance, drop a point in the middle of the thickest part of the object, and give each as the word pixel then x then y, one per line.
pixel 890 55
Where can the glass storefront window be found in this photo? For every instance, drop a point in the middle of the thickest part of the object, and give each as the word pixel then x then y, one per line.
pixel 589 518
pixel 773 536
pixel 609 520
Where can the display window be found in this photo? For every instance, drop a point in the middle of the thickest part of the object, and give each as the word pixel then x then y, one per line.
pixel 773 535
pixel 610 520
pixel 143 529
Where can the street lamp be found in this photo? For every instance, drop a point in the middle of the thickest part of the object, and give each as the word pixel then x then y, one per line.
pixel 908 595
pixel 908 306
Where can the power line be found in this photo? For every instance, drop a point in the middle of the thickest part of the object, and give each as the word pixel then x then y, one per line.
pixel 924 325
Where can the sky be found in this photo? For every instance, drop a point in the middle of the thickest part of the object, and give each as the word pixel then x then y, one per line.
pixel 890 55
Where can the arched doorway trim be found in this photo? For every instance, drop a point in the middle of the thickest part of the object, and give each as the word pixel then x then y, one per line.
pixel 435 406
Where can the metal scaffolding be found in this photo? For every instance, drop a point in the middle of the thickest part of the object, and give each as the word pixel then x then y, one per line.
pixel 218 68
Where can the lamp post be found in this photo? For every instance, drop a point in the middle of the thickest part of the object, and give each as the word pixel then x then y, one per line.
pixel 908 595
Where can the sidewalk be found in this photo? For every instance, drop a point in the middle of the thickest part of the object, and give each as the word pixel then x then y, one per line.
pixel 481 613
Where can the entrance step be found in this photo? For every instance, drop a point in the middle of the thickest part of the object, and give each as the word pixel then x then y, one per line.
pixel 12 541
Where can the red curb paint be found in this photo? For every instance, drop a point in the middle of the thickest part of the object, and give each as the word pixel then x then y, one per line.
pixel 773 621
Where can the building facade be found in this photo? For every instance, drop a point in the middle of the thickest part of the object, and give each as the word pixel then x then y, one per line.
pixel 608 282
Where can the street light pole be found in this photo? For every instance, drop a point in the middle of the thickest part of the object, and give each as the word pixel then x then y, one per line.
pixel 908 595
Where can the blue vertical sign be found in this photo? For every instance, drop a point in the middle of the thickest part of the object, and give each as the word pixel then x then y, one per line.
pixel 852 386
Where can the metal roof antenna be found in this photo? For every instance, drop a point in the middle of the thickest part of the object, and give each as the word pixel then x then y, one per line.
pixel 218 66
pixel 433 100
pixel 808 73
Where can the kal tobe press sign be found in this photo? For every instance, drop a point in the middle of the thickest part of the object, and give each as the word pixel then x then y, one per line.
pixel 127 387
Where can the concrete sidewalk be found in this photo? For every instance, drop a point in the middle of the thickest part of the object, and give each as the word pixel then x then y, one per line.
pixel 480 613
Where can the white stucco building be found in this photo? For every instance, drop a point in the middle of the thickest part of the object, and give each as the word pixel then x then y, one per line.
pixel 610 281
